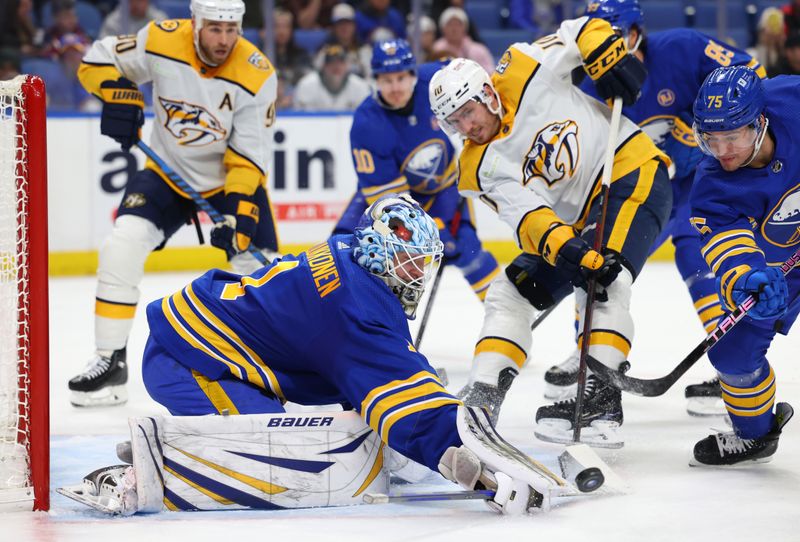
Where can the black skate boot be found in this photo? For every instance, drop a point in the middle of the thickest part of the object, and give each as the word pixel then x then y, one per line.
pixel 600 420
pixel 560 381
pixel 705 399
pixel 487 396
pixel 727 449
pixel 102 382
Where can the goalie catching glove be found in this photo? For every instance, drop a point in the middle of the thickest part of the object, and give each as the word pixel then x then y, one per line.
pixel 236 232
pixel 614 71
pixel 123 112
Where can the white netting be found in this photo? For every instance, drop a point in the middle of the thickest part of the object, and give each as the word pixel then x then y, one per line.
pixel 14 379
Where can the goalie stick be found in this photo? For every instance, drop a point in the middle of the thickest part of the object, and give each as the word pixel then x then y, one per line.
pixel 198 200
pixel 658 386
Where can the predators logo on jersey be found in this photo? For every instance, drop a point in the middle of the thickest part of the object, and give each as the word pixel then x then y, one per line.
pixel 554 154
pixel 192 125
pixel 782 227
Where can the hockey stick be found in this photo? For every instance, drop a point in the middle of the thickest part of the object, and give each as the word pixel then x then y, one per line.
pixel 657 386
pixel 382 498
pixel 198 200
pixel 454 225
pixel 616 114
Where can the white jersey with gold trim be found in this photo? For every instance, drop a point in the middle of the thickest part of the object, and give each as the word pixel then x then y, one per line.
pixel 550 148
pixel 212 124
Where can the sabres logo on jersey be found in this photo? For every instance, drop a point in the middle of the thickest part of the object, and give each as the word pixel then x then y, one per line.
pixel 554 154
pixel 192 125
pixel 425 163
pixel 782 226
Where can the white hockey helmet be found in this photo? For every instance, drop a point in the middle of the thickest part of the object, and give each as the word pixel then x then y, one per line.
pixel 217 10
pixel 457 83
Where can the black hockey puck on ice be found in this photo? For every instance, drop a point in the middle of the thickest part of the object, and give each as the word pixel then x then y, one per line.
pixel 589 479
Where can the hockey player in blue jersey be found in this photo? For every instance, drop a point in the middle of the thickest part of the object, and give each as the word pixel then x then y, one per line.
pixel 677 62
pixel 745 204
pixel 398 147
pixel 326 326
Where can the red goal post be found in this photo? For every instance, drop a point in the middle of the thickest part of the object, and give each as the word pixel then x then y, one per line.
pixel 24 349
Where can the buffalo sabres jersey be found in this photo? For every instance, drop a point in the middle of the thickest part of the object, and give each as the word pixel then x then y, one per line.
pixel 549 152
pixel 314 329
pixel 751 217
pixel 402 151
pixel 677 62
pixel 211 123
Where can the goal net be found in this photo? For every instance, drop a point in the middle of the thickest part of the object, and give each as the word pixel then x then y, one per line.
pixel 24 427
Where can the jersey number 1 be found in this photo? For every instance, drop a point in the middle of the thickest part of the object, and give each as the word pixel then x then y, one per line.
pixel 235 290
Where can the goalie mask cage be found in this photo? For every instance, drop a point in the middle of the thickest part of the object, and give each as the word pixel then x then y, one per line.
pixel 24 410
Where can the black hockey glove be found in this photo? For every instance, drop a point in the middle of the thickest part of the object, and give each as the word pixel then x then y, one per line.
pixel 615 72
pixel 579 262
pixel 123 112
pixel 241 220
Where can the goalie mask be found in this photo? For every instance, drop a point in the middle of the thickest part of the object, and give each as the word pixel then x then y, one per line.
pixel 456 84
pixel 226 11
pixel 399 242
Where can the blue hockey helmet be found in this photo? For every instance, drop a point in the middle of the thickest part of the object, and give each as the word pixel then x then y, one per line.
pixel 730 98
pixel 399 242
pixel 621 14
pixel 392 56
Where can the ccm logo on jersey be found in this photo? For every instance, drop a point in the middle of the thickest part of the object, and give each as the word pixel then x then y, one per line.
pixel 312 421
pixel 554 153
pixel 191 125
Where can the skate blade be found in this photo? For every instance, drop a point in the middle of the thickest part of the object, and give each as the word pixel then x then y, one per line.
pixel 600 434
pixel 706 406
pixel 559 393
pixel 108 396
pixel 80 494
pixel 741 464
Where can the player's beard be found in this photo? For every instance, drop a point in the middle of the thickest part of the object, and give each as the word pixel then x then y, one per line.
pixel 217 55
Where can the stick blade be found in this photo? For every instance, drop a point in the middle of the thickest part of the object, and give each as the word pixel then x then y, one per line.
pixel 629 384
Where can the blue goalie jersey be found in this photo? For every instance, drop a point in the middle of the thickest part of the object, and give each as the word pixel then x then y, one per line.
pixel 313 329
pixel 751 217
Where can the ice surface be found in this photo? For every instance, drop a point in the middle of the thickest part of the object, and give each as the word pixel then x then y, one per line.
pixel 669 500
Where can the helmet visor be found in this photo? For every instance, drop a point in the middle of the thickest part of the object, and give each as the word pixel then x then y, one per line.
pixel 719 144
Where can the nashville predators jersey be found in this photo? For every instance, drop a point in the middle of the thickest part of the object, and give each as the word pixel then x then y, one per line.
pixel 212 123
pixel 549 151
pixel 402 151
pixel 677 62
pixel 314 329
pixel 751 217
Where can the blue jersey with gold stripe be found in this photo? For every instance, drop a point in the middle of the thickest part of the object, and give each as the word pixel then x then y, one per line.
pixel 401 151
pixel 751 217
pixel 314 329
pixel 677 62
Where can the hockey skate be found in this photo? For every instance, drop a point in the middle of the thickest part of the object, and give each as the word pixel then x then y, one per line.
pixel 487 396
pixel 111 490
pixel 727 449
pixel 600 419
pixel 705 399
pixel 561 381
pixel 102 382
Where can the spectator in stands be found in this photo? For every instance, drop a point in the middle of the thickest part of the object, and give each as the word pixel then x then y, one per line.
pixel 70 49
pixel 343 33
pixel 537 16
pixel 140 12
pixel 253 16
pixel 379 21
pixel 309 14
pixel 65 21
pixel 333 87
pixel 17 31
pixel 453 24
pixel 427 37
pixel 789 62
pixel 9 63
pixel 771 36
pixel 291 61
pixel 791 17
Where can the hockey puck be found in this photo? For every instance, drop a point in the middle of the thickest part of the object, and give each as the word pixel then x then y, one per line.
pixel 589 479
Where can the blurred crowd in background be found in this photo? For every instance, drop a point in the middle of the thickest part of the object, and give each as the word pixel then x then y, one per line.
pixel 322 48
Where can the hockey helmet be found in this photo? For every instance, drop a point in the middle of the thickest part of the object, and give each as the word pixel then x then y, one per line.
pixel 217 10
pixel 398 242
pixel 392 56
pixel 621 14
pixel 457 83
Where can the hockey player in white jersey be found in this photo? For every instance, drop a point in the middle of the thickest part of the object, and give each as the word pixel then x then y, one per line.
pixel 213 101
pixel 534 154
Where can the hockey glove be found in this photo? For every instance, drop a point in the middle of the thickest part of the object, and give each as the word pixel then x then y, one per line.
pixel 615 72
pixel 462 466
pixel 123 112
pixel 681 147
pixel 241 220
pixel 768 286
